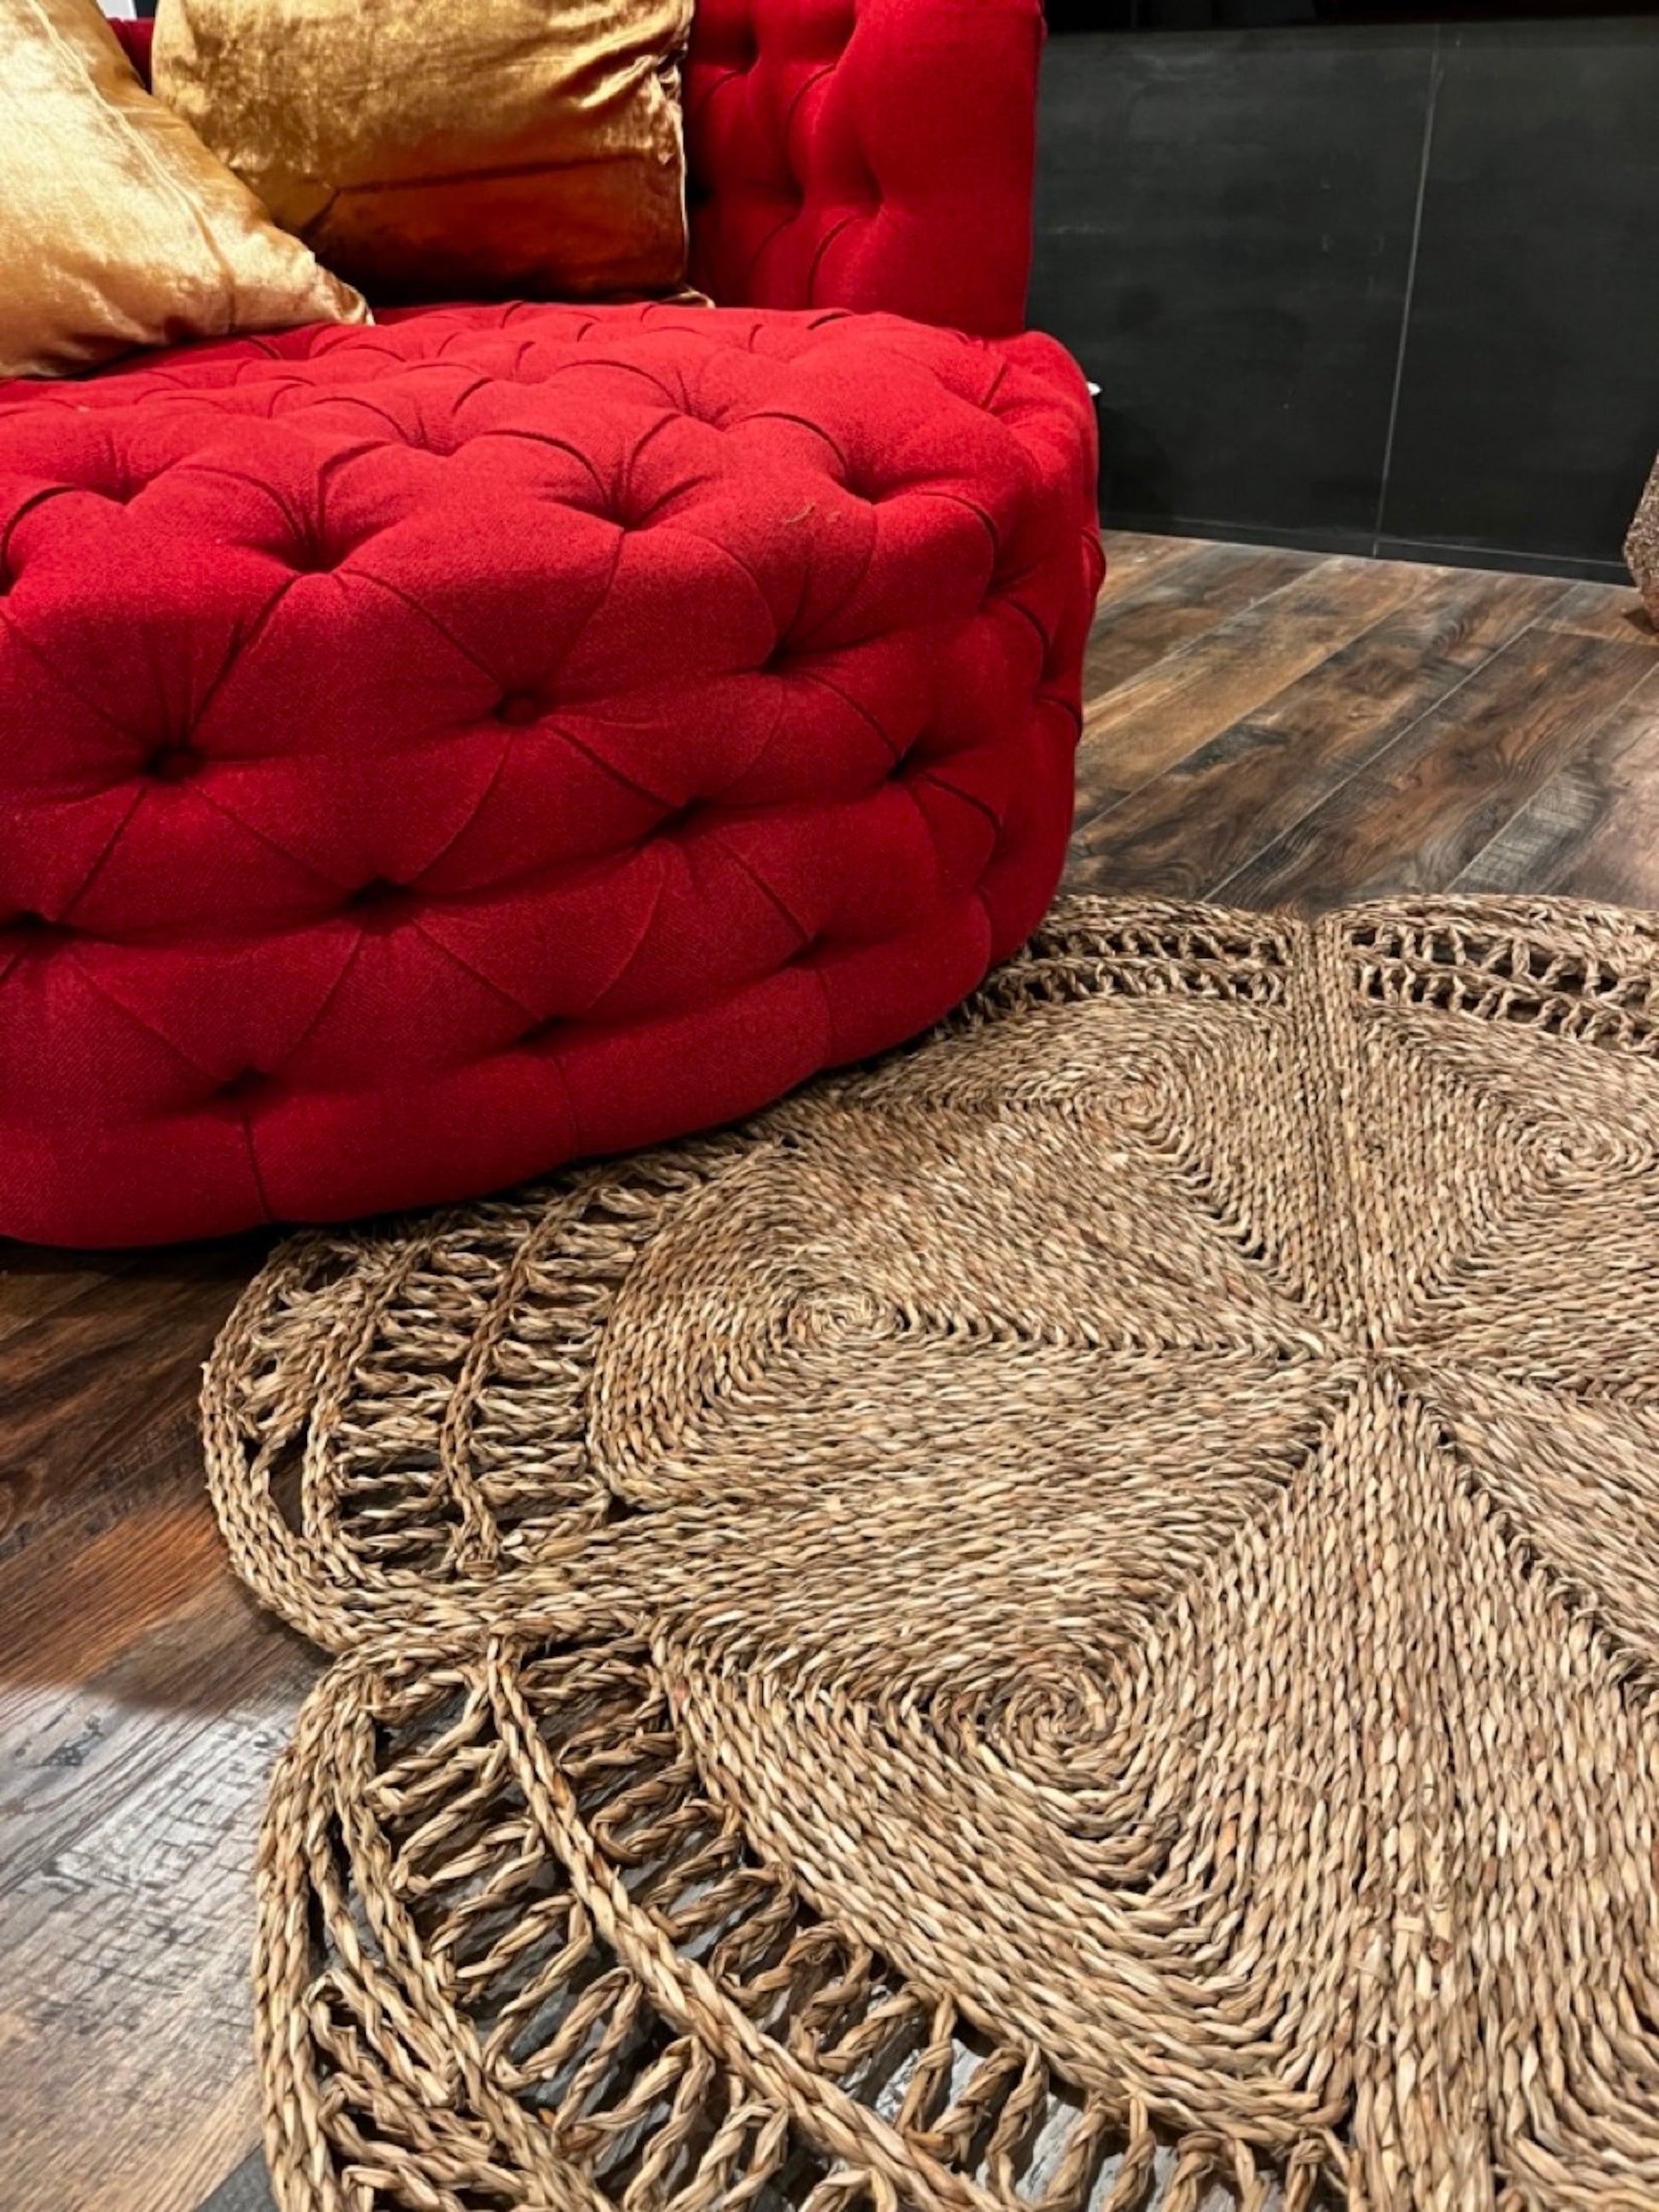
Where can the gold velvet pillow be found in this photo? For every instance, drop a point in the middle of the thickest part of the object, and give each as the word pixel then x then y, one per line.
pixel 453 150
pixel 117 227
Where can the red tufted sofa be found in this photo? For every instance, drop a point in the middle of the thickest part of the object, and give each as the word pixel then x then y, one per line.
pixel 432 751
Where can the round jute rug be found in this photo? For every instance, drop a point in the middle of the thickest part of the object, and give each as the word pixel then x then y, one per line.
pixel 1069 1620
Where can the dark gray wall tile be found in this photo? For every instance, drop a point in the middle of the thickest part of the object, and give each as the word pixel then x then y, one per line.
pixel 1529 403
pixel 1223 231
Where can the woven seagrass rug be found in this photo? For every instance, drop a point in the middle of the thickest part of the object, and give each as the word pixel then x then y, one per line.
pixel 1066 1621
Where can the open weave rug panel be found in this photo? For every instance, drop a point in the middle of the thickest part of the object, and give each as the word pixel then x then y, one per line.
pixel 1068 1621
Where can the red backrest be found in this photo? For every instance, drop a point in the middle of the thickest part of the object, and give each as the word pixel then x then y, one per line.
pixel 860 154
pixel 135 37
pixel 865 153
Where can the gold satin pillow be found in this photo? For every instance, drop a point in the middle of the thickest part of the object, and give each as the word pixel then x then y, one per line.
pixel 449 150
pixel 117 227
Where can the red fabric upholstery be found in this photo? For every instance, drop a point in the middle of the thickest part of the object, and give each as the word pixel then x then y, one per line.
pixel 135 34
pixel 865 153
pixel 433 751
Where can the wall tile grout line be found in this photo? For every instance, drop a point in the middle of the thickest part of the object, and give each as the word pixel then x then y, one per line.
pixel 1568 567
pixel 1362 545
pixel 1378 533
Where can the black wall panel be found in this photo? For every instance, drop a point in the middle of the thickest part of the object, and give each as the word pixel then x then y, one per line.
pixel 1529 403
pixel 1384 289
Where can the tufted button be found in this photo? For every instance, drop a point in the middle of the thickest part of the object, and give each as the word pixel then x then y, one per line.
pixel 309 556
pixel 240 1087
pixel 173 764
pixel 623 507
pixel 378 904
pixel 32 936
pixel 36 932
pixel 520 708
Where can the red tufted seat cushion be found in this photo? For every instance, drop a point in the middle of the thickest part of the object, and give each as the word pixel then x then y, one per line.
pixel 430 752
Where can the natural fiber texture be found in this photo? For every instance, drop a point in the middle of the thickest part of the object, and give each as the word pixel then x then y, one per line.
pixel 1069 1620
pixel 1642 545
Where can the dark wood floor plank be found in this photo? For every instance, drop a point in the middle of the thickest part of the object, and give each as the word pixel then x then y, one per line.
pixel 1414 818
pixel 89 1581
pixel 124 2013
pixel 1592 831
pixel 1170 603
pixel 1133 558
pixel 1144 726
pixel 74 1746
pixel 28 1293
pixel 148 2113
pixel 1601 611
pixel 142 1697
pixel 79 1383
pixel 1193 826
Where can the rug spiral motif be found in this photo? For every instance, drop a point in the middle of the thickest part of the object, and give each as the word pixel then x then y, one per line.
pixel 1066 1621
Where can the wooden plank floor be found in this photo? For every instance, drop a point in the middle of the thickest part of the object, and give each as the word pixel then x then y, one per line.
pixel 1262 727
